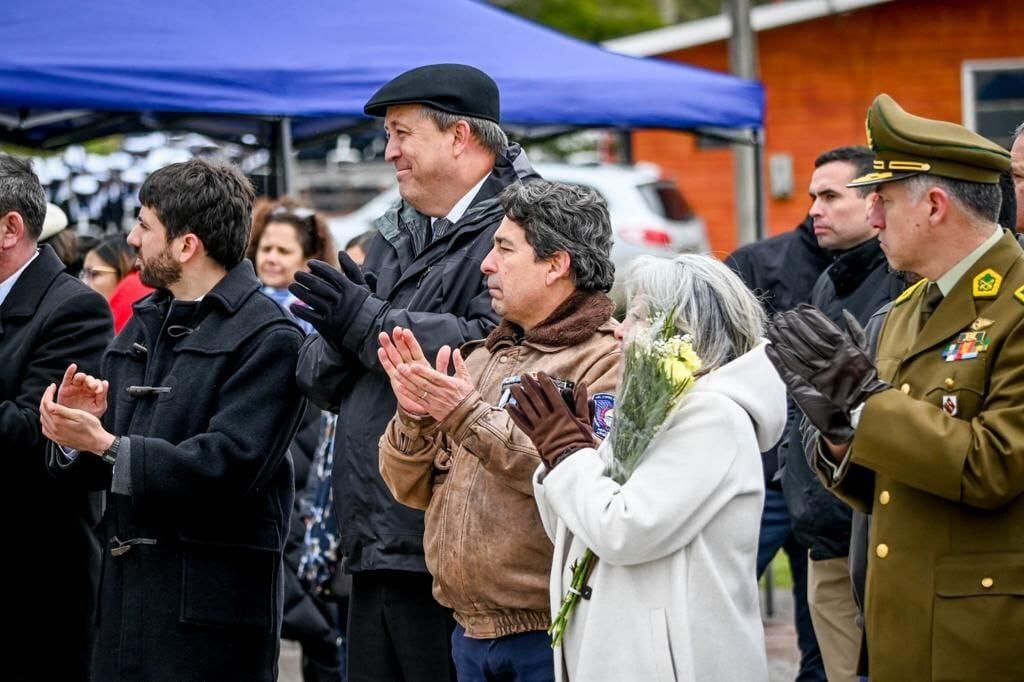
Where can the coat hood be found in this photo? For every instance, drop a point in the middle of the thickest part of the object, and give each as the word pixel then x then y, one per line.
pixel 752 383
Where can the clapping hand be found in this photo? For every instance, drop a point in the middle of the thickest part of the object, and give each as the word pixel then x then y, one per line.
pixel 422 389
pixel 828 372
pixel 332 297
pixel 73 420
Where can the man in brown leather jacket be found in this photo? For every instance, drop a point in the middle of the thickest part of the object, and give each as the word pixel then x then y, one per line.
pixel 453 450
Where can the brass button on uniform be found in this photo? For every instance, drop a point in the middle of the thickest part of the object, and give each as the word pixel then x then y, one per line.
pixel 882 551
pixel 905 388
pixel 949 382
pixel 884 496
pixel 987 582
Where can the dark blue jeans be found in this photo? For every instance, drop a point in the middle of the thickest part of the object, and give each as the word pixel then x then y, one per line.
pixel 777 533
pixel 526 657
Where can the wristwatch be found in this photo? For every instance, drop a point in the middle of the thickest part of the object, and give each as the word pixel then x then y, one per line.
pixel 110 454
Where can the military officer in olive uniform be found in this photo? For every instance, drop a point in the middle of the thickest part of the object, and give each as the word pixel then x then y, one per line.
pixel 932 443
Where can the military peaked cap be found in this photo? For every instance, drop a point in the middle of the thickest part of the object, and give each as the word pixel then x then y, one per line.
pixel 907 145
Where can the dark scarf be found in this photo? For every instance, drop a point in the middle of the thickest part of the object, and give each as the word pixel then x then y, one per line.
pixel 571 323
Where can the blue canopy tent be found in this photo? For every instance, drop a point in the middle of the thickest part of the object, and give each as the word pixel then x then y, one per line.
pixel 324 58
pixel 304 68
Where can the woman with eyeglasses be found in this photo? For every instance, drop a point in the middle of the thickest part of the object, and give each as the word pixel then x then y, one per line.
pixel 110 269
pixel 284 237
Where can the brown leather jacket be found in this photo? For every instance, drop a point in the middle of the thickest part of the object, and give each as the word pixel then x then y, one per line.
pixel 473 472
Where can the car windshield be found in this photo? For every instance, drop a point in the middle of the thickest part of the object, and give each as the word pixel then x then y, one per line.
pixel 665 199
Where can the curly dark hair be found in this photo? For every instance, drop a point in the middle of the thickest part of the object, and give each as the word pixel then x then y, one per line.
pixel 211 200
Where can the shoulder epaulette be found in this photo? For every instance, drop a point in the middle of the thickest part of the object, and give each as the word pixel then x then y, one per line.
pixel 908 292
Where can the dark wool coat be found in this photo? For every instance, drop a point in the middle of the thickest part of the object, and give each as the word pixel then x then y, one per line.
pixel 48 320
pixel 440 294
pixel 198 596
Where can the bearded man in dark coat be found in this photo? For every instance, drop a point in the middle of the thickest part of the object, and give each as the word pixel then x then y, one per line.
pixel 188 430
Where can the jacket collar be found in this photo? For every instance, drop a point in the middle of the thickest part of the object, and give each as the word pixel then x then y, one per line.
pixel 571 323
pixel 230 293
pixel 30 288
pixel 852 265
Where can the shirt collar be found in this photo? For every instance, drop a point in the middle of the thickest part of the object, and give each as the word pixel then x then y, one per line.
pixel 460 207
pixel 8 284
pixel 949 280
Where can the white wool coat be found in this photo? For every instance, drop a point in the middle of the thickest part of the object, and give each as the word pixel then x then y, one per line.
pixel 674 593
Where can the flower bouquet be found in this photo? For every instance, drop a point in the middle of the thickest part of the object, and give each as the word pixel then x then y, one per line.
pixel 660 365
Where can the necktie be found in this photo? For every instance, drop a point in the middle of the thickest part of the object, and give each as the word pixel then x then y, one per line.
pixel 440 226
pixel 931 301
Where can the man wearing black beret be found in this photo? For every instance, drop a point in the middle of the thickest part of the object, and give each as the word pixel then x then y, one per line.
pixel 422 272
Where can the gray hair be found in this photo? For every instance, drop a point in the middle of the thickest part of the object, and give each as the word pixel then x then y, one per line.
pixel 488 133
pixel 21 192
pixel 711 303
pixel 561 217
pixel 1017 133
pixel 978 199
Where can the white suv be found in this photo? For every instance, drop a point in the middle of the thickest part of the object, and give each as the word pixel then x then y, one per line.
pixel 649 214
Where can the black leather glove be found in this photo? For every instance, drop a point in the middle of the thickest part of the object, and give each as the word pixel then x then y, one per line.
pixel 837 365
pixel 544 416
pixel 332 298
pixel 832 422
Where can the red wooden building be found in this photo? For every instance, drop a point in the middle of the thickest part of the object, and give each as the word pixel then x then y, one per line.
pixel 822 62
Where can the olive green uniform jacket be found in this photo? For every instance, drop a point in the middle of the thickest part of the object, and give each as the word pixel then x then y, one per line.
pixel 945 582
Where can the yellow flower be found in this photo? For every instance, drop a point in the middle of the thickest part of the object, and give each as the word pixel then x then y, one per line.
pixel 689 358
pixel 676 370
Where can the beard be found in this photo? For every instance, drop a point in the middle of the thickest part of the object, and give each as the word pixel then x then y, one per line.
pixel 160 271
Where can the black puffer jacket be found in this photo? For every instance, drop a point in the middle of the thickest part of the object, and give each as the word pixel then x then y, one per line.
pixel 858 281
pixel 782 272
pixel 438 293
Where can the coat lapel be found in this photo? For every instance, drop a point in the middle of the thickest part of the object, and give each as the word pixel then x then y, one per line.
pixel 958 309
pixel 24 299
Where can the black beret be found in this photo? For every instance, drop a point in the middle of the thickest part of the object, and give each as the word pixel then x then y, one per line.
pixel 455 88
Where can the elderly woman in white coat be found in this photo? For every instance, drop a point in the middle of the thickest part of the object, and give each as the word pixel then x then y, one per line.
pixel 674 594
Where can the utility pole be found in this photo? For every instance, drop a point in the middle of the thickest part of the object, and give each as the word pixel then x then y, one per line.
pixel 743 63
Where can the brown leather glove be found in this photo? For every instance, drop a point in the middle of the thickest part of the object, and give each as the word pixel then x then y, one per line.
pixel 543 415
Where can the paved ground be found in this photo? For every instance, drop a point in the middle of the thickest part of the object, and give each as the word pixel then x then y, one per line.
pixel 779 634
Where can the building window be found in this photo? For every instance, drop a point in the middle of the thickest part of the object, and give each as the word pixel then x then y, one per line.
pixel 993 97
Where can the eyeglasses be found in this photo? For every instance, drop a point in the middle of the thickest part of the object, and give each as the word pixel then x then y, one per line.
pixel 299 212
pixel 88 274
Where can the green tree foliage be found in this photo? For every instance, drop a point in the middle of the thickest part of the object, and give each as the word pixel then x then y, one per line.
pixel 597 20
pixel 591 20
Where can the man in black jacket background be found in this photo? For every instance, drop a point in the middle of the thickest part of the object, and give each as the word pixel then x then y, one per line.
pixel 858 280
pixel 782 271
pixel 422 272
pixel 47 319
